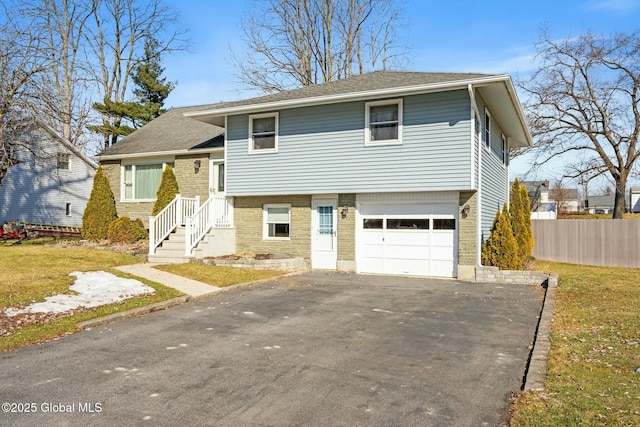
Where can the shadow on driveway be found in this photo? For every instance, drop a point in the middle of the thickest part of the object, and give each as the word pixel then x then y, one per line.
pixel 314 349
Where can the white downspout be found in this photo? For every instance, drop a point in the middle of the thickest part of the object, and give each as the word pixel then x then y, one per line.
pixel 476 116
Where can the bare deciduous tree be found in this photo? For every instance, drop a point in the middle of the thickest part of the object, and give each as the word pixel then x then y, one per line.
pixel 585 99
pixel 21 60
pixel 293 43
pixel 64 86
pixel 117 38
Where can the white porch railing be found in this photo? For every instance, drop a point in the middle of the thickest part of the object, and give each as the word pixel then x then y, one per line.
pixel 216 212
pixel 174 214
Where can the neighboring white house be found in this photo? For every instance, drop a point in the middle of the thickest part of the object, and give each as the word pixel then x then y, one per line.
pixel 51 187
pixel 634 199
pixel 546 202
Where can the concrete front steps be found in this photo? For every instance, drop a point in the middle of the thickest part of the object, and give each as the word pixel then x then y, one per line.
pixel 171 250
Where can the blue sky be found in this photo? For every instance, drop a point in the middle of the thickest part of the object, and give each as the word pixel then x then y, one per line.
pixel 470 36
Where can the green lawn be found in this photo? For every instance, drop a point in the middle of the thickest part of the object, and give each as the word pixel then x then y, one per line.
pixel 32 271
pixel 592 378
pixel 218 275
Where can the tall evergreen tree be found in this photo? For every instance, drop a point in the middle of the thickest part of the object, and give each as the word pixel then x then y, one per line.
pixel 151 90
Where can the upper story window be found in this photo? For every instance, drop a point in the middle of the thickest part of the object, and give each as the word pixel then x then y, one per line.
pixel 141 181
pixel 384 122
pixel 62 161
pixel 263 133
pixel 505 151
pixel 487 129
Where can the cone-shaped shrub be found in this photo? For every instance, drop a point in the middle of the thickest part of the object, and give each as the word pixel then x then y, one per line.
pixel 167 191
pixel 528 241
pixel 500 249
pixel 101 209
pixel 518 220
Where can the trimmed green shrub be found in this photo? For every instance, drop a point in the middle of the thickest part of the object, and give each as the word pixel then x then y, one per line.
pixel 124 230
pixel 520 211
pixel 528 241
pixel 101 209
pixel 167 191
pixel 501 249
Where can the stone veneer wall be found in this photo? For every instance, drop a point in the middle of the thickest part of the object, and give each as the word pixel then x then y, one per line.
pixel 189 183
pixel 193 184
pixel 347 233
pixel 486 274
pixel 248 217
pixel 467 242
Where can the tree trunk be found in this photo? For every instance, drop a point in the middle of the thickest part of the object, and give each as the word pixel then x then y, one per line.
pixel 619 202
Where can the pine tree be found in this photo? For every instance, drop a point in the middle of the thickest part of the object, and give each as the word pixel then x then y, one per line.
pixel 501 249
pixel 101 209
pixel 151 91
pixel 167 191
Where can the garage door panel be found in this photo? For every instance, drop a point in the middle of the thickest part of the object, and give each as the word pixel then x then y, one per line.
pixel 371 265
pixel 415 238
pixel 373 251
pixel 442 268
pixel 407 266
pixel 396 252
pixel 441 239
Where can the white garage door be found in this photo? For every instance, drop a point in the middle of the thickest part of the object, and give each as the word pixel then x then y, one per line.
pixel 410 239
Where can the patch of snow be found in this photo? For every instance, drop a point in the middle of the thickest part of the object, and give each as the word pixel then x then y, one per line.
pixel 94 289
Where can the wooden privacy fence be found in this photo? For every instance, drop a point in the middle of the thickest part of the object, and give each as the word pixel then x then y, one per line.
pixel 613 243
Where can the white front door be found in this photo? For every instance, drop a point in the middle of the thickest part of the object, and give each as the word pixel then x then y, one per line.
pixel 216 177
pixel 324 234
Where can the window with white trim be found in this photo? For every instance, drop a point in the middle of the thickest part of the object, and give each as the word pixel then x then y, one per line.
pixel 487 129
pixel 383 122
pixel 277 221
pixel 505 151
pixel 141 181
pixel 263 133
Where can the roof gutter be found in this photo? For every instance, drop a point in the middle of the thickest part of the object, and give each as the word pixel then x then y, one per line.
pixel 158 154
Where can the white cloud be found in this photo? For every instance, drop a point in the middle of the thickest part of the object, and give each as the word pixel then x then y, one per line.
pixel 612 5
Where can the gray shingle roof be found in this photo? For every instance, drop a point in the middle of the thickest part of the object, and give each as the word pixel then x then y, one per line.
pixel 172 131
pixel 376 80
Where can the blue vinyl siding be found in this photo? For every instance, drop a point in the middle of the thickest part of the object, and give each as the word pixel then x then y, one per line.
pixel 321 150
pixel 494 175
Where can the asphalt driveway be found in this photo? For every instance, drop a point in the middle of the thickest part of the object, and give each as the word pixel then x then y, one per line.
pixel 319 349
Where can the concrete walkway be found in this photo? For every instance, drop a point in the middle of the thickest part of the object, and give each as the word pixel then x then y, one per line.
pixel 189 287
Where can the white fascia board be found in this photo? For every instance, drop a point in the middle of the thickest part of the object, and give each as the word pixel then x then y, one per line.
pixel 351 96
pixel 159 154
